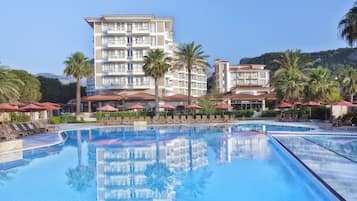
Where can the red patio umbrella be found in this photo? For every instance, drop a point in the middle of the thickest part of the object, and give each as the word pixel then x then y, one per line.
pixel 193 107
pixel 311 104
pixel 32 108
pixel 6 107
pixel 49 107
pixel 107 108
pixel 223 106
pixel 167 107
pixel 298 103
pixel 343 103
pixel 285 105
pixel 136 107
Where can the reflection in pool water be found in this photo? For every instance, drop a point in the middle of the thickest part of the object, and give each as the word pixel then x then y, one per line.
pixel 177 163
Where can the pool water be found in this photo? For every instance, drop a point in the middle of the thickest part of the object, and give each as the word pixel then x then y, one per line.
pixel 225 163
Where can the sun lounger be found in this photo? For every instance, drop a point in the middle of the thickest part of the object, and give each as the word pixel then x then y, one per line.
pixel 14 128
pixel 6 135
pixel 47 128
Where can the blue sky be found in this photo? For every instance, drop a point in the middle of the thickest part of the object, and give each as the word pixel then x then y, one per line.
pixel 37 35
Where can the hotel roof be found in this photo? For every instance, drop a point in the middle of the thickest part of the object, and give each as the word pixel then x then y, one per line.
pixel 124 17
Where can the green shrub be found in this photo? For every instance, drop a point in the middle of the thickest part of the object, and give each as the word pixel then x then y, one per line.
pixel 350 118
pixel 55 120
pixel 20 118
pixel 270 113
pixel 131 114
pixel 243 113
pixel 321 113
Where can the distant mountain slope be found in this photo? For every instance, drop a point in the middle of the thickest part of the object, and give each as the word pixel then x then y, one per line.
pixel 331 59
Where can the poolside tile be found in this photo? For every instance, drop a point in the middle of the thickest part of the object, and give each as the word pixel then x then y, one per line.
pixel 338 172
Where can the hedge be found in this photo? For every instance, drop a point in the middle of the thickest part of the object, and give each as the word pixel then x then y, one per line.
pixel 270 113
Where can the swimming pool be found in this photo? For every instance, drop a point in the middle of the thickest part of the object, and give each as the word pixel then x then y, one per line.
pixel 220 163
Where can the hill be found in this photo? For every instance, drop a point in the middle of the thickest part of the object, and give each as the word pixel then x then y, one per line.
pixel 334 60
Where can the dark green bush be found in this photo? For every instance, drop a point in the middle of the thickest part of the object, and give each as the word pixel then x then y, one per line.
pixel 350 118
pixel 270 113
pixel 55 120
pixel 20 118
pixel 131 114
pixel 321 113
pixel 243 113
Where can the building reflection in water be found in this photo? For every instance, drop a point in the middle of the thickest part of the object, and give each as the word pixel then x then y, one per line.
pixel 242 145
pixel 133 171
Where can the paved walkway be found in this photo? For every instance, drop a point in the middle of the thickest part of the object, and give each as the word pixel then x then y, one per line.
pixel 338 172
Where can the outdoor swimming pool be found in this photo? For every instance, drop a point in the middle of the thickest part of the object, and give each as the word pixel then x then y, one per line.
pixel 221 163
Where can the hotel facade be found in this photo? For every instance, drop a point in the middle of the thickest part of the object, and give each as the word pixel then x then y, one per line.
pixel 120 44
pixel 246 85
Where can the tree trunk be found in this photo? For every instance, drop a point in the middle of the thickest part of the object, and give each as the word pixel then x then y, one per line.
pixel 351 98
pixel 156 98
pixel 189 84
pixel 78 99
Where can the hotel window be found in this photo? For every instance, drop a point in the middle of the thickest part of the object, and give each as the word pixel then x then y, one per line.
pixel 130 40
pixel 130 53
pixel 262 74
pixel 130 67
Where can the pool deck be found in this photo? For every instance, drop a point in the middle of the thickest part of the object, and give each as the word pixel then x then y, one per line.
pixel 337 173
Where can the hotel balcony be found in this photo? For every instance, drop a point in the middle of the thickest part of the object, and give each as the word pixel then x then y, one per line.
pixel 141 31
pixel 116 45
pixel 116 32
pixel 141 44
pixel 116 58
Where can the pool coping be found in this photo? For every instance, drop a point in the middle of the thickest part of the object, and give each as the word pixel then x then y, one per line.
pixel 61 140
pixel 323 186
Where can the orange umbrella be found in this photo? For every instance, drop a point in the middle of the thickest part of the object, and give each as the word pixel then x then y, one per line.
pixel 136 107
pixel 32 108
pixel 193 107
pixel 6 107
pixel 311 104
pixel 223 106
pixel 50 106
pixel 285 105
pixel 343 103
pixel 167 107
pixel 107 108
pixel 298 103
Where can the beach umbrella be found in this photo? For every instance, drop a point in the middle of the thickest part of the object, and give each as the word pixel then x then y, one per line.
pixel 6 107
pixel 167 107
pixel 136 107
pixel 285 105
pixel 193 107
pixel 311 104
pixel 50 107
pixel 298 103
pixel 32 108
pixel 343 103
pixel 223 106
pixel 107 108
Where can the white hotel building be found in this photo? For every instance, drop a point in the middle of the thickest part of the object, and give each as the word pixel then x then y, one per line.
pixel 120 44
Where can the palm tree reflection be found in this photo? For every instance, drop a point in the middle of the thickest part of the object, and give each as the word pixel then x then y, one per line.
pixel 79 178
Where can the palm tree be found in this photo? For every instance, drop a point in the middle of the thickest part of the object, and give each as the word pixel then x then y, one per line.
pixel 9 85
pixel 348 26
pixel 289 79
pixel 191 56
pixel 348 81
pixel 320 85
pixel 78 66
pixel 156 64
